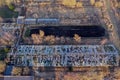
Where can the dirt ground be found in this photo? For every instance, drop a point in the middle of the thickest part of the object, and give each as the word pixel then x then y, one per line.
pixel 104 73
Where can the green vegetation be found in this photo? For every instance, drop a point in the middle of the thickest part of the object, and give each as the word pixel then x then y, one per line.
pixel 18 71
pixel 11 7
pixel 8 12
pixel 3 53
pixel 26 71
pixel 27 32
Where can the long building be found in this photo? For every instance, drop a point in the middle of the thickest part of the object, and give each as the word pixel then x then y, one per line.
pixel 66 55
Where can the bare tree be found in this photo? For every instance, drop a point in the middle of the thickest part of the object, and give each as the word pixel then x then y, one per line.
pixel 77 38
pixel 2 66
pixel 62 39
pixel 41 33
pixel 52 39
pixel 16 71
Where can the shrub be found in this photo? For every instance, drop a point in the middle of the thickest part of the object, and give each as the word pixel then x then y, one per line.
pixel 11 7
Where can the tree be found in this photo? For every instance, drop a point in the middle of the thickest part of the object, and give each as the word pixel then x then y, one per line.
pixel 6 50
pixel 62 39
pixel 47 38
pixel 92 2
pixel 27 32
pixel 117 5
pixel 3 53
pixel 77 38
pixel 11 6
pixel 79 4
pixel 2 66
pixel 57 39
pixel 68 40
pixel 41 33
pixel 9 1
pixel 117 73
pixel 16 71
pixel 70 3
pixel 52 39
pixel 103 41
